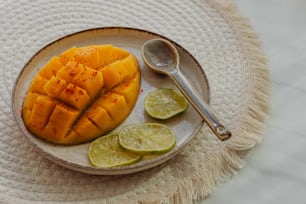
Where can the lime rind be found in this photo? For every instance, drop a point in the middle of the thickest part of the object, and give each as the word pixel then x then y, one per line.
pixel 106 152
pixel 165 103
pixel 147 138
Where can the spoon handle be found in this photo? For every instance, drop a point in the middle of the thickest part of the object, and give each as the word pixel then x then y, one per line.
pixel 200 106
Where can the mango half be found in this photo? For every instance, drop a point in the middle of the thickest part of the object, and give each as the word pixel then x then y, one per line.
pixel 82 94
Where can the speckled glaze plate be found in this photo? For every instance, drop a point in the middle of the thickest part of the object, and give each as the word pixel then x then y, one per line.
pixel 74 157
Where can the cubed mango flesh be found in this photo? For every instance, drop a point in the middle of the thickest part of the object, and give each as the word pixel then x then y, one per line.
pixel 37 85
pixel 55 86
pixel 81 94
pixel 51 68
pixel 88 56
pixel 60 122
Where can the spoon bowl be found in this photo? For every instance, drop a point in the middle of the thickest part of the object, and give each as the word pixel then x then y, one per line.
pixel 162 57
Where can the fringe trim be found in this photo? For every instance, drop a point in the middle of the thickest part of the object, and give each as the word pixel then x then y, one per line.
pixel 230 159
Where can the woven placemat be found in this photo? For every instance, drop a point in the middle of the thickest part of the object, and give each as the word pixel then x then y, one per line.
pixel 214 32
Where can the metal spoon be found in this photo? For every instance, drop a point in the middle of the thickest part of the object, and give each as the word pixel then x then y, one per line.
pixel 161 56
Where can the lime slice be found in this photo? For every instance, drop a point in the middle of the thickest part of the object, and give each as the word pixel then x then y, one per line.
pixel 146 138
pixel 165 103
pixel 106 152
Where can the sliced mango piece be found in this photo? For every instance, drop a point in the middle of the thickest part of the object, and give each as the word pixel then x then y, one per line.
pixel 59 123
pixel 28 106
pixel 118 54
pixel 115 105
pixel 69 71
pixel 101 118
pixel 55 86
pixel 30 100
pixel 129 89
pixel 88 56
pixel 109 54
pixel 130 65
pixel 42 109
pixel 73 138
pixel 51 68
pixel 81 94
pixel 75 96
pixel 86 129
pixel 116 72
pixel 105 53
pixel 38 84
pixel 67 55
pixel 89 79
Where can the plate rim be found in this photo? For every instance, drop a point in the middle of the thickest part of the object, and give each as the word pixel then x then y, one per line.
pixel 101 170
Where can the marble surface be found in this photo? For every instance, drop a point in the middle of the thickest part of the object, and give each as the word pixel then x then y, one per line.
pixel 275 172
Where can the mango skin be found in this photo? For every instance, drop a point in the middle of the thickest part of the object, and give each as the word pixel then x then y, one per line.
pixel 83 93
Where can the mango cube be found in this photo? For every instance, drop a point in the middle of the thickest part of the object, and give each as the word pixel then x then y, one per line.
pixel 51 68
pixel 75 96
pixel 59 123
pixel 89 79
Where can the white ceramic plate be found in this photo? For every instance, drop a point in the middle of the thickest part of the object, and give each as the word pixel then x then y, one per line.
pixel 185 126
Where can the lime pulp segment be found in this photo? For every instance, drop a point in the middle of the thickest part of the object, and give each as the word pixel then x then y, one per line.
pixel 106 152
pixel 147 138
pixel 165 103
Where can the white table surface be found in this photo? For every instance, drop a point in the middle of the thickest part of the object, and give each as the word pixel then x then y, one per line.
pixel 275 172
